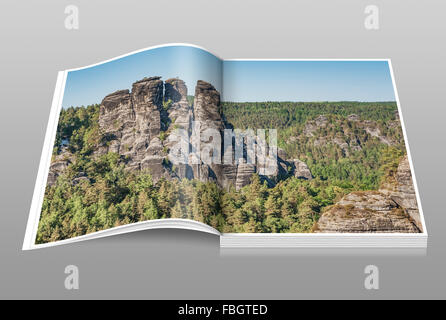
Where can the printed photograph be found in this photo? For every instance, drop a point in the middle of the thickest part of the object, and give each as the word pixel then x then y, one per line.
pixel 244 146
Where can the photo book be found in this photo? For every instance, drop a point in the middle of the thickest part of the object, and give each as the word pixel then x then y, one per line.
pixel 263 153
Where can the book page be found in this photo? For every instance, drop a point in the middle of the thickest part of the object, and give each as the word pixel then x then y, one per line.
pixel 336 158
pixel 289 147
pixel 113 154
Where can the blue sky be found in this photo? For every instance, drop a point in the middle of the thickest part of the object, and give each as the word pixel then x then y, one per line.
pixel 243 80
pixel 91 85
pixel 307 81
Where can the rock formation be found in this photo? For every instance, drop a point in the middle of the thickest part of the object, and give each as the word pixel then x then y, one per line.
pixel 180 116
pixel 180 113
pixel 371 128
pixel 301 170
pixel 311 126
pixel 346 140
pixel 207 109
pixel 130 123
pixel 141 126
pixel 207 114
pixel 244 174
pixel 57 166
pixel 401 190
pixel 393 208
pixel 368 211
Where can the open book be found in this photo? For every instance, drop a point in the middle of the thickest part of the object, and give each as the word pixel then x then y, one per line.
pixel 263 153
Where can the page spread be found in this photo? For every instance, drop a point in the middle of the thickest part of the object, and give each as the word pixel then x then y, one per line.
pixel 264 153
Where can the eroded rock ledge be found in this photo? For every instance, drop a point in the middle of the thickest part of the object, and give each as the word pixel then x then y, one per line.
pixel 391 209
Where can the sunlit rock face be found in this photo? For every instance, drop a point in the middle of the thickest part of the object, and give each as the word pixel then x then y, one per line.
pixel 401 189
pixel 130 123
pixel 393 208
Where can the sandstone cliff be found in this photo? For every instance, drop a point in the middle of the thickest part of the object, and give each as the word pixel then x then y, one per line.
pixel 140 125
pixel 400 188
pixel 58 165
pixel 393 208
pixel 131 124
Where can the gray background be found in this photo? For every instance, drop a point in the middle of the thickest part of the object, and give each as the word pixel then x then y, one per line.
pixel 182 264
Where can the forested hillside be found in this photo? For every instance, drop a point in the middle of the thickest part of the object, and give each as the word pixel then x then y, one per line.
pixel 110 164
pixel 344 142
pixel 96 193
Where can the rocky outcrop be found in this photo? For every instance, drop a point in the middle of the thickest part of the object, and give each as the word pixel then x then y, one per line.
pixel 345 137
pixel 175 89
pixel 207 109
pixel 207 113
pixel 79 178
pixel 130 123
pixel 141 126
pixel 353 117
pixel 229 174
pixel 369 211
pixel 320 121
pixel 244 174
pixel 207 137
pixel 393 208
pixel 180 116
pixel 57 167
pixel 179 111
pixel 371 128
pixel 401 190
pixel 301 170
